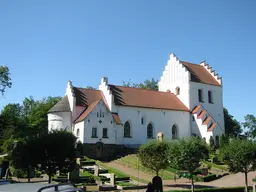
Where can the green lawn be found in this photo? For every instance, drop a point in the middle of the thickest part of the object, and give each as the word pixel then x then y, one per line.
pixel 133 162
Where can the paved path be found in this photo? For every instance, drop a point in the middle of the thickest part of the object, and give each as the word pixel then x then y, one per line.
pixel 234 180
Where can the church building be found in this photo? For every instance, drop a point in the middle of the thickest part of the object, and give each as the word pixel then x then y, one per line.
pixel 189 102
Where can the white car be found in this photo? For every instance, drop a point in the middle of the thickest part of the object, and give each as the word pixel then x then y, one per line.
pixel 38 187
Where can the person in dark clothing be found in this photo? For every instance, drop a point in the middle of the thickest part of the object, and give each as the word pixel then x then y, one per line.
pixel 150 187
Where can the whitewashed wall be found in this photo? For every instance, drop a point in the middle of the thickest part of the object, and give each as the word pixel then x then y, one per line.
pixel 93 121
pixel 215 109
pixel 162 121
pixel 59 120
pixel 176 75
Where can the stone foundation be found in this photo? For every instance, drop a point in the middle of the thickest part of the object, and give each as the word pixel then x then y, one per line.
pixel 101 151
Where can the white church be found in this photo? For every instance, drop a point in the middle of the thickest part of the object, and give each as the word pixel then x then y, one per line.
pixel 189 102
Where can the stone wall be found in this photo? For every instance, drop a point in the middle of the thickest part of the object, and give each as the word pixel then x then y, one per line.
pixel 101 151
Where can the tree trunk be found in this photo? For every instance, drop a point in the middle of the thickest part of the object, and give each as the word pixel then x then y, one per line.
pixel 246 181
pixel 49 178
pixel 29 171
pixel 157 173
pixel 192 183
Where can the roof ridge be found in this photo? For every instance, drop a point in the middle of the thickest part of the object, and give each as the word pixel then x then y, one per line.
pixel 86 88
pixel 138 88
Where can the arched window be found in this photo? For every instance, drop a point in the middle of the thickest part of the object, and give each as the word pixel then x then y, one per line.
pixel 150 131
pixel 77 132
pixel 174 132
pixel 127 129
pixel 177 90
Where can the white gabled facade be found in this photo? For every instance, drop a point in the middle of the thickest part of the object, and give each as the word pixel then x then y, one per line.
pixel 203 118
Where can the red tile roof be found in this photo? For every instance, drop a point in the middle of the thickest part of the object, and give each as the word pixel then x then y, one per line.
pixel 87 111
pixel 145 98
pixel 200 74
pixel 212 127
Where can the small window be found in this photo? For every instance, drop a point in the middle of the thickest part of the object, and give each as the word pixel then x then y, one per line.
pixel 177 90
pixel 193 118
pixel 142 120
pixel 127 129
pixel 102 114
pixel 97 114
pixel 105 132
pixel 77 132
pixel 174 132
pixel 200 95
pixel 210 100
pixel 150 131
pixel 94 132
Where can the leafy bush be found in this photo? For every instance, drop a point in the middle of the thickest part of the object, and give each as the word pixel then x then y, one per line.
pixel 20 173
pixel 230 189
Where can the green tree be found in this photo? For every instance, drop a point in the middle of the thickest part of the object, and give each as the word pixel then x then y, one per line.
pixel 223 140
pixel 240 156
pixel 154 155
pixel 186 154
pixel 151 84
pixel 250 125
pixel 211 144
pixel 5 80
pixel 57 151
pixel 232 126
pixel 90 87
pixel 23 155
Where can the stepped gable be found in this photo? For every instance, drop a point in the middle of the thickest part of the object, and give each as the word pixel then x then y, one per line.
pixel 145 98
pixel 86 101
pixel 61 106
pixel 200 74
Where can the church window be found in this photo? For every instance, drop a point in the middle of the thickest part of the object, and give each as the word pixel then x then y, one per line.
pixel 210 100
pixel 105 132
pixel 127 129
pixel 217 140
pixel 150 131
pixel 193 118
pixel 94 132
pixel 177 90
pixel 142 120
pixel 200 95
pixel 97 114
pixel 77 132
pixel 102 114
pixel 174 132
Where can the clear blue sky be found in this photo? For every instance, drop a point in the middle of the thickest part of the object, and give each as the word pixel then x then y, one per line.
pixel 46 43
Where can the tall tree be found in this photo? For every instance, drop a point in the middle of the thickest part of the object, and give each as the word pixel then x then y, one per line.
pixel 232 126
pixel 151 84
pixel 240 156
pixel 5 80
pixel 250 125
pixel 154 156
pixel 57 151
pixel 186 154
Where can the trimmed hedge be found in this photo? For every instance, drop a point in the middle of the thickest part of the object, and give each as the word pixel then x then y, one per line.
pixel 224 189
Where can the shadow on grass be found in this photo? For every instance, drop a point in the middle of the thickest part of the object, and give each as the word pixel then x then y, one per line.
pixel 188 186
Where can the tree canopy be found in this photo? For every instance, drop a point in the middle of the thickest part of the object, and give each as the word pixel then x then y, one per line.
pixel 186 154
pixel 151 84
pixel 240 156
pixel 250 125
pixel 49 152
pixel 154 155
pixel 28 118
pixel 5 79
pixel 232 126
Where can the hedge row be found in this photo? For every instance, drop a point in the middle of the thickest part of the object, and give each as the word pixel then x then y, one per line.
pixel 229 189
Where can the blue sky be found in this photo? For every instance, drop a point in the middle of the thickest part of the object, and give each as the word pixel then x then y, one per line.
pixel 46 43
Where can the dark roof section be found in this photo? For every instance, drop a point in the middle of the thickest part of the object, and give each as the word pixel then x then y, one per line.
pixel 200 74
pixel 145 98
pixel 61 106
pixel 85 97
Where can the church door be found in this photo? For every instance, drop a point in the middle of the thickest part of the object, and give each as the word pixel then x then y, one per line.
pixel 99 149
